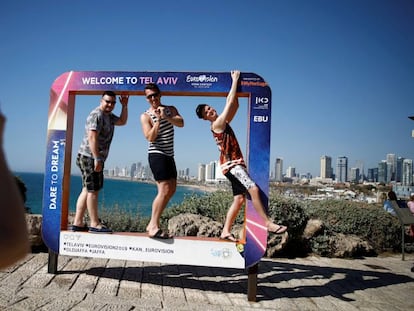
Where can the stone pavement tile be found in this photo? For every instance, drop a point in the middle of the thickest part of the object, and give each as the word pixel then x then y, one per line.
pixel 151 291
pixel 130 285
pixel 221 286
pixel 151 283
pixel 21 271
pixel 39 279
pixel 218 298
pixel 172 284
pixel 217 307
pixel 404 292
pixel 327 289
pixel 330 303
pixel 280 304
pixel 386 295
pixel 382 300
pixel 109 280
pixel 183 306
pixel 99 302
pixel 129 290
pixel 270 295
pixel 239 299
pixel 67 276
pixel 44 299
pixel 305 304
pixel 88 277
pixel 63 302
pixel 8 298
pixel 192 286
pixel 195 296
pixel 173 293
pixel 6 271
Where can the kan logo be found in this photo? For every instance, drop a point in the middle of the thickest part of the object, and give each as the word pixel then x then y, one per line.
pixel 262 100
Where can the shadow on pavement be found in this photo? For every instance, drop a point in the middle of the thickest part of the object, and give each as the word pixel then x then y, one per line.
pixel 275 279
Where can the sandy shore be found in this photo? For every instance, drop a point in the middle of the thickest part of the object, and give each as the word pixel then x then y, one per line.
pixel 204 187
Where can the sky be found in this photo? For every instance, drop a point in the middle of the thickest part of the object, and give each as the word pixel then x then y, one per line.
pixel 341 73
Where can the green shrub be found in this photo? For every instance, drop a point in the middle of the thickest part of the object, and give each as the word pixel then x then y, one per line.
pixel 122 220
pixel 368 221
pixel 290 213
pixel 320 245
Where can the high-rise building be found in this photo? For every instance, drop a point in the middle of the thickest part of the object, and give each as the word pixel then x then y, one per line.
pixel 117 171
pixel 123 172
pixel 391 166
pixel 382 172
pixel 373 174
pixel 399 169
pixel 407 178
pixel 279 169
pixel 342 169
pixel 291 172
pixel 133 170
pixel 355 175
pixel 360 164
pixel 326 167
pixel 201 172
pixel 211 171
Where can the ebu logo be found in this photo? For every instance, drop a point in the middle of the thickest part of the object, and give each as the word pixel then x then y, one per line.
pixel 263 119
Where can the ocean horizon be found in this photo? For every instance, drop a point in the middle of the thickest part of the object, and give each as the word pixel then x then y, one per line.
pixel 127 195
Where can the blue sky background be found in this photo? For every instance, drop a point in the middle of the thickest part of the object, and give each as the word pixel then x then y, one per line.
pixel 341 72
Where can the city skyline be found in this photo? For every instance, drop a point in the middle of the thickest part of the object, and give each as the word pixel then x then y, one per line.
pixel 327 164
pixel 395 169
pixel 341 74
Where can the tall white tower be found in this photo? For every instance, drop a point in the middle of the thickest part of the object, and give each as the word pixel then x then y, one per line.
pixel 279 169
pixel 326 167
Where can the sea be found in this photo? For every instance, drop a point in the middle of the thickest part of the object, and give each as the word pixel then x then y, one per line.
pixel 127 195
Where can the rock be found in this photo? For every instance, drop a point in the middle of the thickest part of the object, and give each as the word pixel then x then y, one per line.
pixel 348 246
pixel 275 243
pixel 313 227
pixel 34 228
pixel 194 225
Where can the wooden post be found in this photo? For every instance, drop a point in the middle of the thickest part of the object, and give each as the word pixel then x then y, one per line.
pixel 252 282
pixel 52 262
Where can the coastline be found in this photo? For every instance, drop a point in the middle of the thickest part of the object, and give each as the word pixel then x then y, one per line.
pixel 201 187
pixel 129 194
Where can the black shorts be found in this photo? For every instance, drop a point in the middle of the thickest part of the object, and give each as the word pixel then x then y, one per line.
pixel 239 179
pixel 162 166
pixel 91 180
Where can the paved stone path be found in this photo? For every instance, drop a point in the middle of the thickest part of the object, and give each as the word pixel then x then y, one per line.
pixel 311 283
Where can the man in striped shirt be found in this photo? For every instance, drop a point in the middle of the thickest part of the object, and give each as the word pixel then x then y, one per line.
pixel 158 127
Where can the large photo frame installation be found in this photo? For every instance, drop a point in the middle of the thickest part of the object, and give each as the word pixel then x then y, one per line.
pixel 138 246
